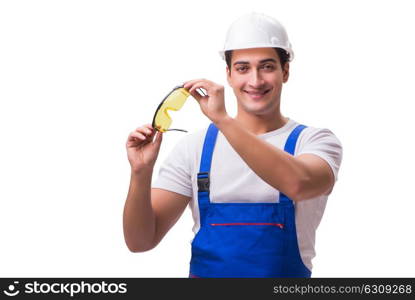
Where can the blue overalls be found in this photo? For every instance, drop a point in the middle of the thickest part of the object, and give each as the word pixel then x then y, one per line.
pixel 244 239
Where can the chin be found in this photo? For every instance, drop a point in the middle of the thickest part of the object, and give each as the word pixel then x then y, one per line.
pixel 258 107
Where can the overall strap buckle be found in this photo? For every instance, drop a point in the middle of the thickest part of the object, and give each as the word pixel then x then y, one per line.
pixel 203 182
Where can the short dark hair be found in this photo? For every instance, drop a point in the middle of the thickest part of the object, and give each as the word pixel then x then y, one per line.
pixel 282 55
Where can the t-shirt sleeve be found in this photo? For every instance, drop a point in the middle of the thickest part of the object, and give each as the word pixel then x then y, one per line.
pixel 323 143
pixel 174 173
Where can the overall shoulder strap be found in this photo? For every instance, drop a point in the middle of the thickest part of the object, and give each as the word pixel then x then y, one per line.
pixel 290 148
pixel 203 176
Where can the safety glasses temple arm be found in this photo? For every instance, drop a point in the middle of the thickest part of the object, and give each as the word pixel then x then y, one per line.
pixel 177 130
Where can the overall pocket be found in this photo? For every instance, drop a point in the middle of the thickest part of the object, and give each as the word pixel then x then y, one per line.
pixel 280 225
pixel 247 239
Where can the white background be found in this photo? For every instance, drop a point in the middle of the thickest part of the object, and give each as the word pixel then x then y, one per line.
pixel 77 76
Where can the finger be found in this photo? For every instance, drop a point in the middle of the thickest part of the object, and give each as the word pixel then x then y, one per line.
pixel 196 95
pixel 137 135
pixel 158 139
pixel 197 87
pixel 188 84
pixel 145 130
pixel 202 85
pixel 150 126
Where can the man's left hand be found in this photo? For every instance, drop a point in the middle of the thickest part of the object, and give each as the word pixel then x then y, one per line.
pixel 212 104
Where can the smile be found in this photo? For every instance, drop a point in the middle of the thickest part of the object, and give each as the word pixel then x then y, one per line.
pixel 256 94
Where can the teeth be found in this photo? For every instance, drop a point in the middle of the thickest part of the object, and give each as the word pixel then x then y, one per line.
pixel 257 94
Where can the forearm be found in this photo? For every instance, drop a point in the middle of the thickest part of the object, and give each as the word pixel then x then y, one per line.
pixel 139 220
pixel 275 166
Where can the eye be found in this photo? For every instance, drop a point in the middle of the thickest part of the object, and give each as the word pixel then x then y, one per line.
pixel 268 67
pixel 241 68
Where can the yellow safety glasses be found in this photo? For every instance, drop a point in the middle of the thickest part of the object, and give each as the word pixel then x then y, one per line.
pixel 173 101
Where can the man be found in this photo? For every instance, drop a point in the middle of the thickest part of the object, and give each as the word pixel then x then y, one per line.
pixel 257 184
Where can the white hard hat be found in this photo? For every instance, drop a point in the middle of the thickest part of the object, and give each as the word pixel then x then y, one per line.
pixel 256 30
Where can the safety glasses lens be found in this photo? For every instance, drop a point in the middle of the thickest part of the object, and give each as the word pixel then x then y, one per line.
pixel 174 101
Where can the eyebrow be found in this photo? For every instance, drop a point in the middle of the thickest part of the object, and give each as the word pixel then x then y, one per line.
pixel 261 61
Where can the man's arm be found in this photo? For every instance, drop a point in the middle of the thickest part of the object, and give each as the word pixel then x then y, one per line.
pixel 149 213
pixel 301 177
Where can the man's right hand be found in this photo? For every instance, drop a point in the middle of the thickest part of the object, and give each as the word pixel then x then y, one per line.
pixel 141 151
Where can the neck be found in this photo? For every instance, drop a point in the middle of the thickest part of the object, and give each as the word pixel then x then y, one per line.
pixel 259 124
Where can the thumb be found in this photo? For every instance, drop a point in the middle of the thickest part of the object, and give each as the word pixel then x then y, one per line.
pixel 158 139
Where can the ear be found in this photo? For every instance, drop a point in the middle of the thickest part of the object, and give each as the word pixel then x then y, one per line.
pixel 228 75
pixel 286 72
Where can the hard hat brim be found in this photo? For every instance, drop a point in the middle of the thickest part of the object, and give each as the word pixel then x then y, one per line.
pixel 289 51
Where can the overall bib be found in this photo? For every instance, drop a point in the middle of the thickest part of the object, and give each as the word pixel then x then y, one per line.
pixel 244 239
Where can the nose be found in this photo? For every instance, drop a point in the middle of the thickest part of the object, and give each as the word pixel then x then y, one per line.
pixel 255 80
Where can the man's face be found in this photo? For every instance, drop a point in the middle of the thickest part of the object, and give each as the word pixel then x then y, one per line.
pixel 256 78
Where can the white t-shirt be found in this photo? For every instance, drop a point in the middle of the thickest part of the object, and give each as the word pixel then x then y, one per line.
pixel 231 180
